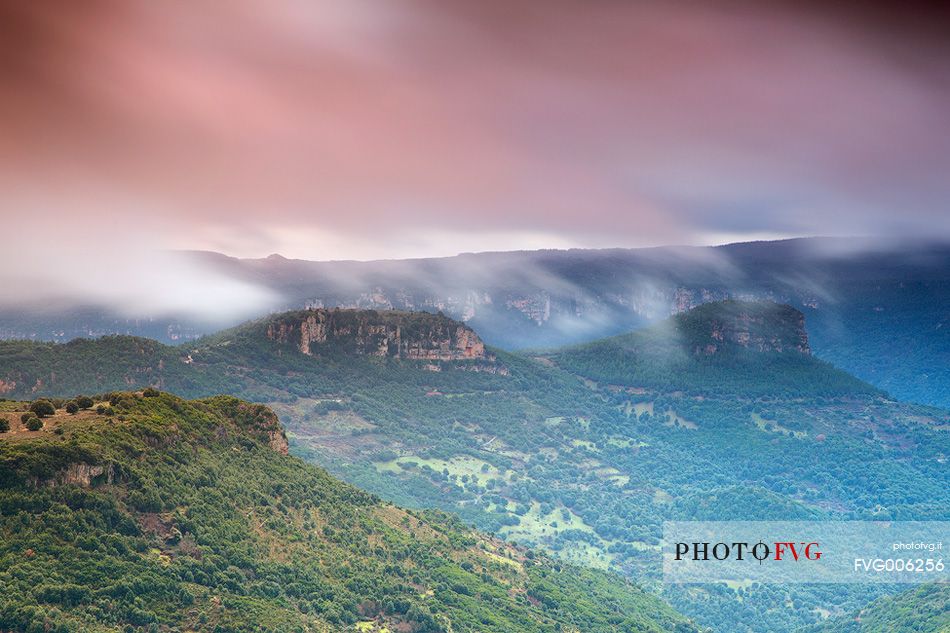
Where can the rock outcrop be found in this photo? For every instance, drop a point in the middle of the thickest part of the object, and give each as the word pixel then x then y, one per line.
pixel 408 335
pixel 80 474
pixel 256 420
pixel 747 325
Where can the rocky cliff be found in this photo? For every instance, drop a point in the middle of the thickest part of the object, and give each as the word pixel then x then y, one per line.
pixel 758 326
pixel 408 335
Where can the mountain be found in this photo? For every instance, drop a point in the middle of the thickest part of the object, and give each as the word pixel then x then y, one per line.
pixel 532 448
pixel 876 311
pixel 157 513
pixel 731 347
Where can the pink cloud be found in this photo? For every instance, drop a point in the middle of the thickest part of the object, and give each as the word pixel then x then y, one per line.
pixel 586 123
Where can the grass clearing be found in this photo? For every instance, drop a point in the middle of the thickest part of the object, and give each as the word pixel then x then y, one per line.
pixel 771 426
pixel 517 565
pixel 587 555
pixel 585 444
pixel 673 419
pixel 477 470
pixel 639 408
pixel 662 497
pixel 534 526
pixel 305 415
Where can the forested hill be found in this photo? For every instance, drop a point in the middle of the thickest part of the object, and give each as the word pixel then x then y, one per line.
pixel 145 512
pixel 723 348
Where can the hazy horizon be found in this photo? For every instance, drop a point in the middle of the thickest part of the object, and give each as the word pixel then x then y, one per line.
pixel 834 244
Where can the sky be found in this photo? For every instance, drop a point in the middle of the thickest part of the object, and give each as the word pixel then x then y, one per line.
pixel 364 129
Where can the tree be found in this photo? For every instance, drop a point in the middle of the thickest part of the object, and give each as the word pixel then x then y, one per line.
pixel 34 424
pixel 72 408
pixel 42 408
pixel 84 402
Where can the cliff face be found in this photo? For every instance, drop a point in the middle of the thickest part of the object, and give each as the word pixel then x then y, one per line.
pixel 413 336
pixel 756 326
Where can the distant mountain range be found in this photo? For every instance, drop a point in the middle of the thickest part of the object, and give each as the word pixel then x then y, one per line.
pixel 882 314
pixel 718 413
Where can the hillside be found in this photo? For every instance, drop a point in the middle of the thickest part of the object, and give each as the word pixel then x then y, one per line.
pixel 160 512
pixel 587 470
pixel 924 609
pixel 729 347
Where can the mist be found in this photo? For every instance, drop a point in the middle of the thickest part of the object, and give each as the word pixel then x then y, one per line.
pixel 119 266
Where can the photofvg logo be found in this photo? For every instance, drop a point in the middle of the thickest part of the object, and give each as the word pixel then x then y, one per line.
pixel 741 550
pixel 805 551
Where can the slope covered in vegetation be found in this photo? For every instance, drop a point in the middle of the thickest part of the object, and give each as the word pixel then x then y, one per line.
pixel 187 514
pixel 924 609
pixel 727 348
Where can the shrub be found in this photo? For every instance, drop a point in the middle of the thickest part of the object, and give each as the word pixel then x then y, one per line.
pixel 42 408
pixel 84 402
pixel 72 408
pixel 4 425
pixel 34 424
pixel 151 392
